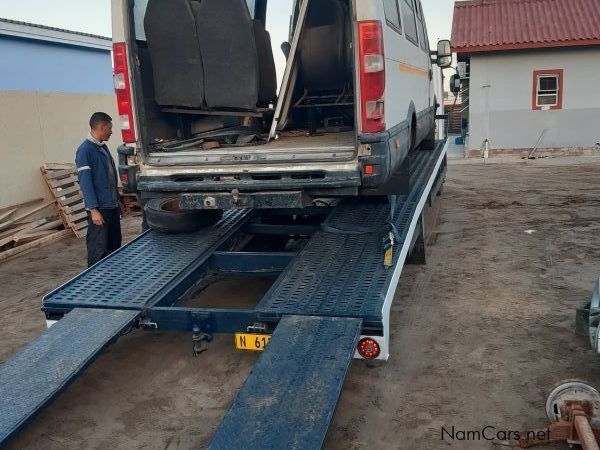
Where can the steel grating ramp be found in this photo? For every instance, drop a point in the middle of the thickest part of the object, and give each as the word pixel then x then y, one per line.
pixel 42 369
pixel 289 398
pixel 145 270
pixel 342 275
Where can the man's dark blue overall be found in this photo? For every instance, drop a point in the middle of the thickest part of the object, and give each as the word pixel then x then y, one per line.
pixel 98 181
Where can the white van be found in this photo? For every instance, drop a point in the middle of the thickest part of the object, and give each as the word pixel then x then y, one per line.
pixel 205 129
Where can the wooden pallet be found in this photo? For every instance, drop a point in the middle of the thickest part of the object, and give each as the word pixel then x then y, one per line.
pixel 25 227
pixel 130 205
pixel 61 179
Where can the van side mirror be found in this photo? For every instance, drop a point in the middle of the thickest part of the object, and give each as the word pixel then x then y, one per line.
pixel 444 53
pixel 455 84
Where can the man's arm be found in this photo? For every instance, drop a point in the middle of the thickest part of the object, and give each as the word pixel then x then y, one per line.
pixel 86 183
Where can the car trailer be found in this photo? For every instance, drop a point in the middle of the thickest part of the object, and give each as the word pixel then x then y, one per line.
pixel 330 303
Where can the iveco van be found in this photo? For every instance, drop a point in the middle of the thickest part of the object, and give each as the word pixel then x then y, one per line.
pixel 206 126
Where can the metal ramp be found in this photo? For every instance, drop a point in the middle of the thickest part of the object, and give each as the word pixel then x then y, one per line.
pixel 151 269
pixel 289 398
pixel 46 366
pixel 342 275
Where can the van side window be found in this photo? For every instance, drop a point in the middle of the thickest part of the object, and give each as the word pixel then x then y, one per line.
pixel 251 7
pixel 422 27
pixel 392 15
pixel 409 20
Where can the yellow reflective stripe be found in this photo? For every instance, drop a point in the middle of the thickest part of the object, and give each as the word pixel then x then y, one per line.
pixel 405 68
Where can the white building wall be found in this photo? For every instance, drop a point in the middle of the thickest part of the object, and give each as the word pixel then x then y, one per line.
pixel 41 127
pixel 500 94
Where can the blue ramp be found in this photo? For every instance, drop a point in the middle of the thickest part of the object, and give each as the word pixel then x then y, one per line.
pixel 290 396
pixel 42 369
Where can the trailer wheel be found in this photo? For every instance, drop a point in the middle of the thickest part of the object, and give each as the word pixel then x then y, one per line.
pixel 165 216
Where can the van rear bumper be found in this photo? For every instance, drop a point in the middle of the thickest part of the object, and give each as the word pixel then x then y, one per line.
pixel 249 182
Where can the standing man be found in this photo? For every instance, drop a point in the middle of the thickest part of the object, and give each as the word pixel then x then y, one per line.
pixel 98 181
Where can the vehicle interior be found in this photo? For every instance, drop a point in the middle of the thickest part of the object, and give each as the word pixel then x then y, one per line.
pixel 207 80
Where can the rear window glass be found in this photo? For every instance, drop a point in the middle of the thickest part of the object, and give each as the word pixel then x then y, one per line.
pixel 391 13
pixel 409 20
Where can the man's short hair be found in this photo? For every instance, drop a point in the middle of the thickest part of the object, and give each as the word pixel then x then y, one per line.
pixel 98 118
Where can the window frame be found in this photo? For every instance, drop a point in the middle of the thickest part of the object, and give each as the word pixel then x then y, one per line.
pixel 537 76
pixel 421 21
pixel 393 26
pixel 411 5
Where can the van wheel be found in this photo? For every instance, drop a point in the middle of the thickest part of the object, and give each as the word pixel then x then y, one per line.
pixel 165 216
pixel 413 135
pixel 429 142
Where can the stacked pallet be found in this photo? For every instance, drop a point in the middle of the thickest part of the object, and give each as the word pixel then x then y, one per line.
pixel 130 206
pixel 61 179
pixel 21 229
pixel 454 122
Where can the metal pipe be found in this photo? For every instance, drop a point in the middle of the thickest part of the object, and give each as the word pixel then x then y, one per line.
pixel 585 433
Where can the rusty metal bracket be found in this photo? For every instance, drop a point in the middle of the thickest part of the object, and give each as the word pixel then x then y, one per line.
pixel 573 407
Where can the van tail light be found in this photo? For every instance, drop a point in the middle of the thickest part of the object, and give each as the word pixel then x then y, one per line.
pixel 372 76
pixel 123 91
pixel 368 348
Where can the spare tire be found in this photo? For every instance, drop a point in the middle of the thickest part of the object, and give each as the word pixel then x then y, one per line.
pixel 164 215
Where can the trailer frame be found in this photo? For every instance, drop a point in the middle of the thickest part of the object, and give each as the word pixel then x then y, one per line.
pixel 334 286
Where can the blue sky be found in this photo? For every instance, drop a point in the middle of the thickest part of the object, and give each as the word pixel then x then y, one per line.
pixel 93 16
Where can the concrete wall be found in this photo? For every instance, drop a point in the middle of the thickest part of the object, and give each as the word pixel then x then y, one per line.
pixel 47 93
pixel 501 95
pixel 30 65
pixel 39 127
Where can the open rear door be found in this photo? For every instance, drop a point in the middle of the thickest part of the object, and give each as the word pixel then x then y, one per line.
pixel 290 76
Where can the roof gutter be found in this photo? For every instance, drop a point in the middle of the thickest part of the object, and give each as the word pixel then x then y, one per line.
pixel 525 46
pixel 27 31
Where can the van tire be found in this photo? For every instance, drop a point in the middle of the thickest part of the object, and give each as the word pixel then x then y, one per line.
pixel 429 142
pixel 164 215
pixel 413 135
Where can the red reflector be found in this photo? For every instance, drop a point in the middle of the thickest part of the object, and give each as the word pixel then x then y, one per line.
pixel 372 76
pixel 368 348
pixel 125 178
pixel 123 91
pixel 368 169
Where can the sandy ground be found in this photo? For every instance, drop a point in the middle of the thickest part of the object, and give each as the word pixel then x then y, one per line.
pixel 480 334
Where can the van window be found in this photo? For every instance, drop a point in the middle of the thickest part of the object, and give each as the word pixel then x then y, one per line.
pixel 422 27
pixel 139 11
pixel 409 20
pixel 391 14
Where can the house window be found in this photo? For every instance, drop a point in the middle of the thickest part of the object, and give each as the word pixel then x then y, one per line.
pixel 547 89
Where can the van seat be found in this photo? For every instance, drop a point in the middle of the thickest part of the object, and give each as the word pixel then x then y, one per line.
pixel 229 54
pixel 325 55
pixel 175 53
pixel 267 79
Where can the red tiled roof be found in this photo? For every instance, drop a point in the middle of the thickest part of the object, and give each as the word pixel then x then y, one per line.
pixel 492 25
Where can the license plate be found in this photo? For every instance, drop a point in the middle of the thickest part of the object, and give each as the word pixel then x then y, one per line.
pixel 251 341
